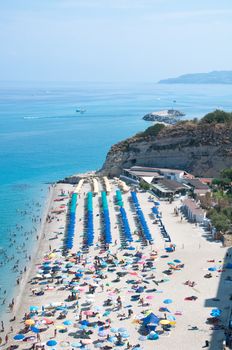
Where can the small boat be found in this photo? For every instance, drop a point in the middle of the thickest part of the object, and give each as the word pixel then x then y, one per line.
pixel 80 110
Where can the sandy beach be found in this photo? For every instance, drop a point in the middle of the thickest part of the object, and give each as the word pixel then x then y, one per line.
pixel 99 298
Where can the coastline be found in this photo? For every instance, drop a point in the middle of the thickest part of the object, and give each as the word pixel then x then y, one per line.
pixel 20 289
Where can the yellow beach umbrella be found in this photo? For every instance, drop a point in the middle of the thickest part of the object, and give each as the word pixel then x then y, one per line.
pixel 172 323
pixel 30 322
pixel 60 327
pixel 164 322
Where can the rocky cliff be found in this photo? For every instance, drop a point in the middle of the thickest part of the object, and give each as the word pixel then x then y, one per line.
pixel 202 149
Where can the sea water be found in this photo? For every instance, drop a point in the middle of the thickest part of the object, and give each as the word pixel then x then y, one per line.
pixel 43 139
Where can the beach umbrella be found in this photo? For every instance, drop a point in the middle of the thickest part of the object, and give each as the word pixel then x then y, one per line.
pixel 153 336
pixel 19 337
pixel 171 318
pixel 122 330
pixel 114 330
pixel 76 345
pixel 34 308
pixel 125 335
pixel 47 321
pixel 83 326
pixel 67 323
pixel 35 329
pixel 51 342
pixel 167 301
pixel 112 339
pixel 84 322
pixel 177 261
pixel 102 334
pixel 60 327
pixel 164 322
pixel 29 322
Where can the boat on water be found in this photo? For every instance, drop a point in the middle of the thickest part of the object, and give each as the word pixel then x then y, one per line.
pixel 80 110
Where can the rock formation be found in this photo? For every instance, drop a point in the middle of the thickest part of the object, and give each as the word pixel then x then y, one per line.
pixel 202 149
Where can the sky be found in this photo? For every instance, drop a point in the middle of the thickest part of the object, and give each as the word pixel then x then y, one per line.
pixel 113 40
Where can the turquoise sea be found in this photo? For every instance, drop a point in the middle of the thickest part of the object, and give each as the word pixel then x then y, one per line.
pixel 43 139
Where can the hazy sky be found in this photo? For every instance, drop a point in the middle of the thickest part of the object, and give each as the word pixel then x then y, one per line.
pixel 113 40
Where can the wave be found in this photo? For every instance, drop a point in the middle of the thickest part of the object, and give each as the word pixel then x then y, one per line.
pixel 31 117
pixel 53 117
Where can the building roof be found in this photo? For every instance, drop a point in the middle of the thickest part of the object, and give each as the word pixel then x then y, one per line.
pixel 206 180
pixel 170 185
pixel 193 207
pixel 143 173
pixel 197 184
pixel 150 169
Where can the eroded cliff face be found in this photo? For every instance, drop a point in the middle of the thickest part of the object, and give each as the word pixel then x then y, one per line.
pixel 202 149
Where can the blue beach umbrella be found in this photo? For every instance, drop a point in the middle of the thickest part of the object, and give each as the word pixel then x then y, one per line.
pixel 83 326
pixel 167 301
pixel 153 336
pixel 122 330
pixel 34 308
pixel 76 345
pixel 51 343
pixel 125 335
pixel 114 330
pixel 35 329
pixel 112 339
pixel 171 318
pixel 67 323
pixel 19 337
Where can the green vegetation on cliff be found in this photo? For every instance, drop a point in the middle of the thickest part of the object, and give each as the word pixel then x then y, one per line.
pixel 217 116
pixel 152 130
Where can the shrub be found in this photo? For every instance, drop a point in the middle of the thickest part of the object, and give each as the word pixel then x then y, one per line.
pixel 218 116
pixel 153 130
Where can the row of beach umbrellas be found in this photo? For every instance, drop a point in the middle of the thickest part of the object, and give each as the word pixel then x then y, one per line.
pixel 71 223
pixel 106 217
pixel 141 217
pixel 90 230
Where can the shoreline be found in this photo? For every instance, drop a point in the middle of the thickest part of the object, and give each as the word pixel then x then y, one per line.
pixel 20 289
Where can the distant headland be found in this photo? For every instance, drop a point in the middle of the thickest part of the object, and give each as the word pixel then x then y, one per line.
pixel 215 77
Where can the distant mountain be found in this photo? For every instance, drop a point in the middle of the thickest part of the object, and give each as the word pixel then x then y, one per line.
pixel 215 77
